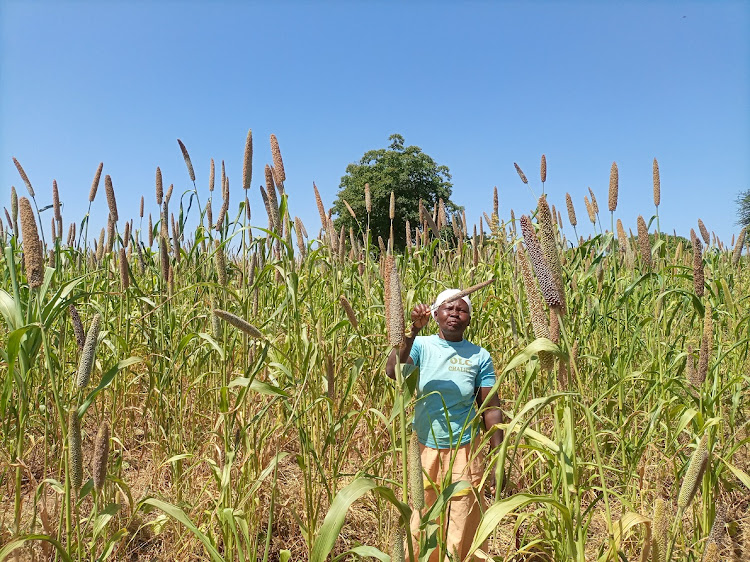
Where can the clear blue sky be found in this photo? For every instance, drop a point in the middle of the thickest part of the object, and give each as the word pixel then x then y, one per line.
pixel 477 85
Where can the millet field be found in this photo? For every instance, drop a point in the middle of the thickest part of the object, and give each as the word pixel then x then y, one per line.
pixel 201 382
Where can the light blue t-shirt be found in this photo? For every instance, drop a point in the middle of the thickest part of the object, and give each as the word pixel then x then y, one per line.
pixel 454 371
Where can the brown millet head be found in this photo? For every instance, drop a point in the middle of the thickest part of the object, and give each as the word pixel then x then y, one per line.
pixel 220 262
pixel 392 206
pixel 278 163
pixel 56 204
pixel 543 169
pixel 395 305
pixel 111 201
pixel 77 327
pixel 737 253
pixel 349 311
pixel 704 232
pixel 589 210
pixel 349 208
pixel 716 536
pixel 541 268
pixel 124 277
pixel 571 210
pixel 278 182
pixel 621 238
pixel 614 182
pixel 164 257
pixel 520 173
pixel 88 355
pixel 239 323
pixel 657 184
pixel 549 248
pixel 272 199
pixel 644 244
pixel 330 377
pixel 300 238
pixel 660 530
pixel 222 214
pixel 594 204
pixel 32 245
pixel 454 227
pixel 408 234
pixel 75 450
pixel 188 163
pixel 428 218
pixel 95 183
pixel 414 469
pixel 698 278
pixel 110 234
pixel 159 187
pixel 247 162
pixel 126 235
pixel 101 455
pixel 694 474
pixel 211 176
pixel 13 208
pixel 24 177
pixel 539 321
pixel 442 215
pixel 100 247
pixel 321 207
pixel 368 200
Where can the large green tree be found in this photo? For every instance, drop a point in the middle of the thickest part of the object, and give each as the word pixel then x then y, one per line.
pixel 743 208
pixel 404 170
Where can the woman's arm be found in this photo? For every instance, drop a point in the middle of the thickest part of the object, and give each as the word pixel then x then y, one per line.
pixel 492 415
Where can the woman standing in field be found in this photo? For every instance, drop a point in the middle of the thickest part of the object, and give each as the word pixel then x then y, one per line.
pixel 454 376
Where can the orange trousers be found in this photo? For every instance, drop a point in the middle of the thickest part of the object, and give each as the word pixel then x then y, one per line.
pixel 463 513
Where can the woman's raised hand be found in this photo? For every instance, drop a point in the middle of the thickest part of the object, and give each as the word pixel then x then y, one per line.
pixel 420 316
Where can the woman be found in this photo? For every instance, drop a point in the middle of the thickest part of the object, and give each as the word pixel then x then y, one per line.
pixel 454 375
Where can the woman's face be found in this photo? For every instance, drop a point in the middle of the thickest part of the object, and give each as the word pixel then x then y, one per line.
pixel 453 319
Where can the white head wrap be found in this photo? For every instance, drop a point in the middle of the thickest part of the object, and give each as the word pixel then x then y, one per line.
pixel 445 295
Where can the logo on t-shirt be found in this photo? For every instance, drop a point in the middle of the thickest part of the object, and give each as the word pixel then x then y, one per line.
pixel 460 364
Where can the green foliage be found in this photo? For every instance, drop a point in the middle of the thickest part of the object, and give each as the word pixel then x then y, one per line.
pixel 408 172
pixel 743 208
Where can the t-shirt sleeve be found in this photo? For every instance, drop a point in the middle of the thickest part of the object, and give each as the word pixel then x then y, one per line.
pixel 486 376
pixel 416 350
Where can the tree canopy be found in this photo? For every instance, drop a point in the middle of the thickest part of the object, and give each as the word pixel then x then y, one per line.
pixel 743 208
pixel 404 170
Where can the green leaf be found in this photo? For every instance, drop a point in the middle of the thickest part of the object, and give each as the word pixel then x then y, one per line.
pixel 212 343
pixel 496 512
pixel 10 310
pixel 258 386
pixel 442 500
pixel 106 381
pixel 741 474
pixel 178 515
pixel 103 518
pixel 364 552
pixel 334 519
pixel 533 349
pixel 8 549
pixel 109 547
